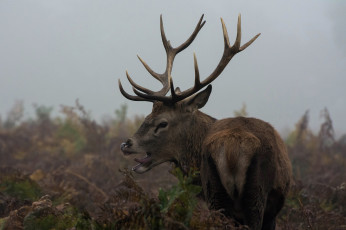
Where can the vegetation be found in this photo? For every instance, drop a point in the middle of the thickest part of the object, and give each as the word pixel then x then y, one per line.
pixel 68 173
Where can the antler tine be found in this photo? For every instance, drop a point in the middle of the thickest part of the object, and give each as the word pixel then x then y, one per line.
pixel 167 100
pixel 249 42
pixel 134 84
pixel 225 34
pixel 161 77
pixel 237 41
pixel 166 43
pixel 229 52
pixel 177 95
pixel 197 80
pixel 152 98
pixel 199 26
pixel 197 86
pixel 153 73
pixel 130 97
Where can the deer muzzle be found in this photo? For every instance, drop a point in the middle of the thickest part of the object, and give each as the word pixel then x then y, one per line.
pixel 126 147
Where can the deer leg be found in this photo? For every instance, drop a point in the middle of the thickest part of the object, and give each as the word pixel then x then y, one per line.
pixel 253 203
pixel 254 196
pixel 275 202
pixel 214 193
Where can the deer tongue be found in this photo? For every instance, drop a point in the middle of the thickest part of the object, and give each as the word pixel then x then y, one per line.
pixel 142 161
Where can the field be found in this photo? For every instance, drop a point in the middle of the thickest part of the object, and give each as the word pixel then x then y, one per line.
pixel 68 172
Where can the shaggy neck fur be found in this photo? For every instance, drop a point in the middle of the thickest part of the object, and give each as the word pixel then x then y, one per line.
pixel 191 157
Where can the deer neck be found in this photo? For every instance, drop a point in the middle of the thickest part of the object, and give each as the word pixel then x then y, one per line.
pixel 190 156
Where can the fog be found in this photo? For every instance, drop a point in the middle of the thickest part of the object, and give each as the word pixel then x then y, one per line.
pixel 53 52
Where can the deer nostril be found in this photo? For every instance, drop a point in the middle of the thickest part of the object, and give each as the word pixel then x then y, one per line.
pixel 129 142
pixel 122 146
pixel 126 144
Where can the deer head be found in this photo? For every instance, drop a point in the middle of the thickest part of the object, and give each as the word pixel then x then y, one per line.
pixel 175 128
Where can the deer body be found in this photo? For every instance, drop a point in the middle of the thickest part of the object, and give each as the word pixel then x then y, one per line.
pixel 243 162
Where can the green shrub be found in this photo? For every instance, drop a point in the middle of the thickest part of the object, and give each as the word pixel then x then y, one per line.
pixel 180 201
pixel 20 187
pixel 49 218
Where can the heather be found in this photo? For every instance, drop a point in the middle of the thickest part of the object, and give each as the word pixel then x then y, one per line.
pixel 67 172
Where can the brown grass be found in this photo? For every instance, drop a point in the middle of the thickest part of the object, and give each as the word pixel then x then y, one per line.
pixel 77 160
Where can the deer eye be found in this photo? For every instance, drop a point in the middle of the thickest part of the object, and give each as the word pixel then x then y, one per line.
pixel 161 125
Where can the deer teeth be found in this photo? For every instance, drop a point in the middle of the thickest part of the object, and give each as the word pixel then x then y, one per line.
pixel 136 167
pixel 142 161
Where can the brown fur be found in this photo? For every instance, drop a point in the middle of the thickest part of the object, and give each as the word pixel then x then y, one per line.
pixel 246 160
pixel 247 135
pixel 237 149
pixel 243 162
pixel 235 143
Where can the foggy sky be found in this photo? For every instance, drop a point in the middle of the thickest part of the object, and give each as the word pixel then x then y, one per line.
pixel 53 52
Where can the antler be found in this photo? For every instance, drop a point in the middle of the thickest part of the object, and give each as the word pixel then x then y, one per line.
pixel 166 78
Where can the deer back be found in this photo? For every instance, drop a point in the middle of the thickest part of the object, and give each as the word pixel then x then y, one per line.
pixel 234 143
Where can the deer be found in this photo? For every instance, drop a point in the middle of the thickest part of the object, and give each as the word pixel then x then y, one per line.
pixel 243 165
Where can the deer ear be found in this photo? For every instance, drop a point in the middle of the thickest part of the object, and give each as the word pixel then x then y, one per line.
pixel 199 100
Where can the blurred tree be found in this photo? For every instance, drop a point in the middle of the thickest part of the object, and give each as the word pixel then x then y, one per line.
pixel 302 126
pixel 121 113
pixel 326 134
pixel 241 112
pixel 14 115
pixel 43 113
pixel 301 133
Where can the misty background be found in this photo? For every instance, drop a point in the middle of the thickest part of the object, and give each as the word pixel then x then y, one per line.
pixel 53 52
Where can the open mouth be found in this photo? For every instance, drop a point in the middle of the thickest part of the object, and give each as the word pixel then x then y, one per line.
pixel 143 162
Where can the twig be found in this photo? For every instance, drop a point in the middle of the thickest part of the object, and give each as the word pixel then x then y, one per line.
pixel 181 225
pixel 305 214
pixel 88 182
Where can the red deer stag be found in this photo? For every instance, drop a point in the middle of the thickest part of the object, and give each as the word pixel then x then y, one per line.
pixel 243 163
